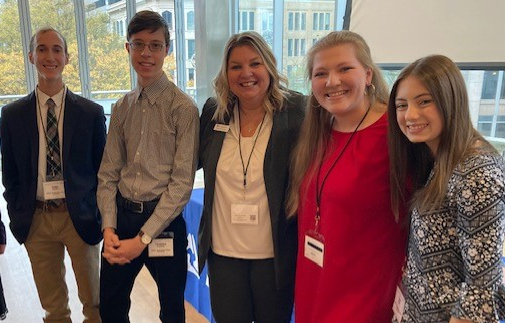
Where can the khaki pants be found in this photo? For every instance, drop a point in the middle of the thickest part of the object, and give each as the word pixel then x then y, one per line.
pixel 50 233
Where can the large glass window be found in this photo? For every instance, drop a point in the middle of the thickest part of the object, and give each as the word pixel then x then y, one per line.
pixel 108 64
pixel 249 10
pixel 13 83
pixel 42 14
pixel 300 38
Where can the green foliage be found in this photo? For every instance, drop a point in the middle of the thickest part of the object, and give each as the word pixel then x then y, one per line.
pixel 107 58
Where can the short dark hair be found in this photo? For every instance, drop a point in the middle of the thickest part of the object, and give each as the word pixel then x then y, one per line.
pixel 149 20
pixel 45 30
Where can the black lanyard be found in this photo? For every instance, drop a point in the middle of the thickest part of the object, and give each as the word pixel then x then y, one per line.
pixel 245 168
pixel 319 190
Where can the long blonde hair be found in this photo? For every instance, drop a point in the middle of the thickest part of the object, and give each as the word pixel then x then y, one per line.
pixel 315 132
pixel 278 83
pixel 412 163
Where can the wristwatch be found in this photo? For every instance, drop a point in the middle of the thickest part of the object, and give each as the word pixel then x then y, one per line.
pixel 144 237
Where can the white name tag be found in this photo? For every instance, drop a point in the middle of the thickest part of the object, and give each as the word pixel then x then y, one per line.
pixel 314 250
pixel 163 246
pixel 53 190
pixel 245 214
pixel 399 304
pixel 221 127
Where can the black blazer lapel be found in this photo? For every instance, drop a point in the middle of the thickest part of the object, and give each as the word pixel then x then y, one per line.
pixel 276 164
pixel 215 152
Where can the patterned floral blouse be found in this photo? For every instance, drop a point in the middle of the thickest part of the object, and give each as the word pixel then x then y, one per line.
pixel 454 254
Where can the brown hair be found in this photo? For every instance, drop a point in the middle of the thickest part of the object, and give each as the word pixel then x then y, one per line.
pixel 148 20
pixel 316 128
pixel 413 162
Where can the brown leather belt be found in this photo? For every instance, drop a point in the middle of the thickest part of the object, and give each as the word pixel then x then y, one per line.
pixel 49 207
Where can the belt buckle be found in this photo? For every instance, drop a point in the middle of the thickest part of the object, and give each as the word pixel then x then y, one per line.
pixel 141 207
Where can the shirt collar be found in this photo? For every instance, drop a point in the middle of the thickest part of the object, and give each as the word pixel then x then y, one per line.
pixel 153 91
pixel 57 98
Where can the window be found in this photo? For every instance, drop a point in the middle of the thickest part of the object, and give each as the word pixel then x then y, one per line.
pixel 63 20
pixel 191 78
pixel 108 65
pixel 190 20
pixel 296 47
pixel 191 48
pixel 321 21
pixel 13 81
pixel 119 28
pixel 490 83
pixel 246 20
pixel 167 15
pixel 266 20
pixel 297 21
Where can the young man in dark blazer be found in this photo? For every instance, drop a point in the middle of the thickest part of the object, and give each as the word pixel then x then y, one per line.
pixel 52 145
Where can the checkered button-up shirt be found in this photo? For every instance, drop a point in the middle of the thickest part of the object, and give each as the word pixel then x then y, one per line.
pixel 151 152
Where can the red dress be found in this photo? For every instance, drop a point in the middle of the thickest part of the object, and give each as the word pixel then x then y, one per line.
pixel 364 246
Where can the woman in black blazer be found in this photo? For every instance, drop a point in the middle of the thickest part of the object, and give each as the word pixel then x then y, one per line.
pixel 246 136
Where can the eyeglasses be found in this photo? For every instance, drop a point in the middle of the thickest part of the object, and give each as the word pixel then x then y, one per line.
pixel 153 47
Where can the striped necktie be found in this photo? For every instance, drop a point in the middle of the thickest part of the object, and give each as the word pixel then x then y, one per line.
pixel 53 143
pixel 53 160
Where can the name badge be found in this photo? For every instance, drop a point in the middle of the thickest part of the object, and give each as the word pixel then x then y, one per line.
pixel 314 250
pixel 245 214
pixel 162 246
pixel 53 190
pixel 221 127
pixel 399 304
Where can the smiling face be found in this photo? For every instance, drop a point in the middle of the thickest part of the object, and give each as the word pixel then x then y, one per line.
pixel 248 77
pixel 339 81
pixel 49 56
pixel 418 116
pixel 148 64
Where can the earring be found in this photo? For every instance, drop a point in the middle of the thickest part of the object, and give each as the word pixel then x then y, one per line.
pixel 372 87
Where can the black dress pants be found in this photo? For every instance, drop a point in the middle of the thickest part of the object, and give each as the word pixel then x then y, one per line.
pixel 169 273
pixel 244 291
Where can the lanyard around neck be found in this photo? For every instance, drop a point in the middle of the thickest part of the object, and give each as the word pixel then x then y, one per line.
pixel 245 168
pixel 319 190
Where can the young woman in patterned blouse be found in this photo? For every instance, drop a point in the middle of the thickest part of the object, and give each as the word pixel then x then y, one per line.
pixel 453 272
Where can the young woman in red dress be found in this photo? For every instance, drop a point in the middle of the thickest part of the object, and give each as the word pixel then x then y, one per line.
pixel 350 248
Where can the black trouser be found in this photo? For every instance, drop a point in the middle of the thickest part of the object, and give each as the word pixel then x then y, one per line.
pixel 244 290
pixel 169 273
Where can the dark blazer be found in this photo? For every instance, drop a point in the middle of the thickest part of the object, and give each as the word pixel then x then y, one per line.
pixel 83 143
pixel 285 129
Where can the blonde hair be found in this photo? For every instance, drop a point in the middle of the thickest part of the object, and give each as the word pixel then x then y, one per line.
pixel 412 163
pixel 276 92
pixel 316 128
